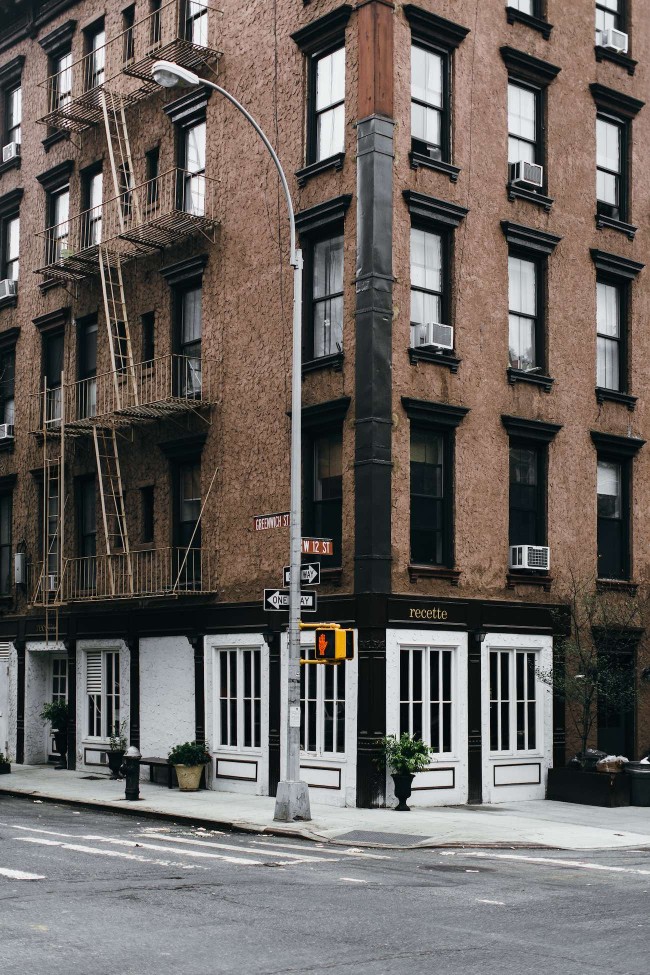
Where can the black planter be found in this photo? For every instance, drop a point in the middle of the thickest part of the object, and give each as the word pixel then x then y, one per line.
pixel 403 785
pixel 61 746
pixel 5 768
pixel 115 759
pixel 588 788
pixel 639 783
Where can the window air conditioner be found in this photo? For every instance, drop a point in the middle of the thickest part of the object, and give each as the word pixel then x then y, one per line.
pixel 6 431
pixel 432 333
pixel 530 557
pixel 527 174
pixel 612 40
pixel 10 151
pixel 51 582
pixel 8 288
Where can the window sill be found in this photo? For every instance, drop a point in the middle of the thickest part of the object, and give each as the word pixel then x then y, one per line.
pixel 334 362
pixel 61 135
pixel 527 578
pixel 419 159
pixel 624 60
pixel 9 302
pixel 7 445
pixel 614 396
pixel 617 585
pixel 446 359
pixel 314 169
pixel 48 284
pixel 331 577
pixel 520 193
pixel 10 164
pixel 536 23
pixel 534 378
pixel 433 572
pixel 624 228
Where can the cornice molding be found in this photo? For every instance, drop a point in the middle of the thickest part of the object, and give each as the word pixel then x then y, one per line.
pixel 539 431
pixel 11 201
pixel 433 210
pixel 433 29
pixel 12 70
pixel 53 319
pixel 187 270
pixel 621 447
pixel 323 214
pixel 57 176
pixel 324 31
pixel 620 267
pixel 183 111
pixel 609 100
pixel 441 415
pixel 331 413
pixel 60 37
pixel 529 238
pixel 528 68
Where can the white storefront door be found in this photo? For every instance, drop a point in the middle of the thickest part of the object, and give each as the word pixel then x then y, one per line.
pixel 58 679
pixel 426 695
pixel 516 717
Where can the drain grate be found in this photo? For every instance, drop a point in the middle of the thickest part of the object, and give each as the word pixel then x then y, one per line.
pixel 390 839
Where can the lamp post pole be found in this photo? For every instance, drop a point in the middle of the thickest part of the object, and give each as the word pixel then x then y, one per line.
pixel 292 798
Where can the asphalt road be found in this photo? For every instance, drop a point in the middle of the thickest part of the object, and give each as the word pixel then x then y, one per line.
pixel 90 892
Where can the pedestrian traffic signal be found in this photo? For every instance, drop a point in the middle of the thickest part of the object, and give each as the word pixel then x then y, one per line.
pixel 334 645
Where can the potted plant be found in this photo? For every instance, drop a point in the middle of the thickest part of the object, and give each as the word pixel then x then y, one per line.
pixel 56 712
pixel 5 767
pixel 189 759
pixel 117 745
pixel 405 757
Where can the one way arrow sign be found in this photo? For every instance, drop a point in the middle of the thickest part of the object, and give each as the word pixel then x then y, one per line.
pixel 276 600
pixel 309 574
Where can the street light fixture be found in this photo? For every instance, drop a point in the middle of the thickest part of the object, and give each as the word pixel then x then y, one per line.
pixel 292 798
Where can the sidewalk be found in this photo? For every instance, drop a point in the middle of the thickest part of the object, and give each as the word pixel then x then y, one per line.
pixel 553 825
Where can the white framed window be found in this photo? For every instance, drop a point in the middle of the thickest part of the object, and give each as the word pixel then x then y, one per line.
pixel 102 693
pixel 427 706
pixel 329 105
pixel 514 713
pixel 239 673
pixel 322 706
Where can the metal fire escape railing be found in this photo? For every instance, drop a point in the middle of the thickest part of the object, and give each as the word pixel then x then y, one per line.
pixel 101 87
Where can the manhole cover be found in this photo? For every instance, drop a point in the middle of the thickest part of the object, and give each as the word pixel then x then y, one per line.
pixel 390 839
pixel 93 778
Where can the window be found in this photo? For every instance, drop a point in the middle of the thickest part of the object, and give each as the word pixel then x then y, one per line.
pixel 148 322
pixel 426 702
pixel 128 20
pixel 328 98
pixel 61 80
pixel 194 165
pixel 609 338
pixel 613 525
pixel 125 180
pixel 95 61
pixel 524 6
pixel 51 541
pixel 523 124
pixel 52 370
pixel 524 325
pixel 527 496
pixel 57 240
pixel 147 513
pixel 91 231
pixel 428 296
pixel 13 115
pixel 609 15
pixel 429 103
pixel 324 507
pixel 327 295
pixel 87 368
pixel 7 385
pixel 610 171
pixel 187 377
pixel 151 164
pixel 513 701
pixel 196 22
pixel 102 693
pixel 322 707
pixel 240 698
pixel 86 534
pixel 155 28
pixel 10 247
pixel 189 505
pixel 6 553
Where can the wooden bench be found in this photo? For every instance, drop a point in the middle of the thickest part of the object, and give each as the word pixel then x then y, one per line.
pixel 154 763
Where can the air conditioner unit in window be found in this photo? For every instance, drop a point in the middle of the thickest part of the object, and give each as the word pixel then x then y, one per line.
pixel 6 431
pixel 527 174
pixel 10 151
pixel 51 582
pixel 432 334
pixel 612 40
pixel 530 557
pixel 8 288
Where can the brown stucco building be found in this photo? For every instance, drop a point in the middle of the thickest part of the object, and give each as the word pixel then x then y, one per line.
pixel 474 211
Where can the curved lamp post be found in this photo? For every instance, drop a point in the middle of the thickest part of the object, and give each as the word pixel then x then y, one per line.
pixel 292 799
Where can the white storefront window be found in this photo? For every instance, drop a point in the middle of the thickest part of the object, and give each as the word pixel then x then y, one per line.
pixel 240 697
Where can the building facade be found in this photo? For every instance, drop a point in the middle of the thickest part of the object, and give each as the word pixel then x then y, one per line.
pixel 474 210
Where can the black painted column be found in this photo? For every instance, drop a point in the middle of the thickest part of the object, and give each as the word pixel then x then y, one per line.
pixel 134 703
pixel 71 647
pixel 199 687
pixel 20 703
pixel 274 712
pixel 474 733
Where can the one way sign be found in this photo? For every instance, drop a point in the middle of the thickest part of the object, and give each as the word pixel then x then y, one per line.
pixel 278 599
pixel 309 574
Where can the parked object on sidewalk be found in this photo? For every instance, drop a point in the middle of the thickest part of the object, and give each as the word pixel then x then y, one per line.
pixel 639 775
pixel 56 712
pixel 116 750
pixel 131 771
pixel 612 763
pixel 5 767
pixel 189 759
pixel 404 757
pixel 587 787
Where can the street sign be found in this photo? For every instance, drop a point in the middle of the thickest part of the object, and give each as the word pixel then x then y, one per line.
pixel 262 523
pixel 276 600
pixel 317 546
pixel 309 574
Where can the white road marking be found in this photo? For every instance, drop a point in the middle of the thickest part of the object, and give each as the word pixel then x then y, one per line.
pixel 480 900
pixel 353 880
pixel 19 874
pixel 299 857
pixel 349 852
pixel 556 862
pixel 78 848
pixel 132 844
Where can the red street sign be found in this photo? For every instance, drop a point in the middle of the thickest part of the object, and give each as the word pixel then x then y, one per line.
pixel 317 546
pixel 281 519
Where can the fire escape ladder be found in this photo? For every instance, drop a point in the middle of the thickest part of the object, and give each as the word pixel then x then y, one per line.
pixel 113 513
pixel 119 150
pixel 117 323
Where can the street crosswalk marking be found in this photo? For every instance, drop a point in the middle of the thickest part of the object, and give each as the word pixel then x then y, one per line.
pixel 553 861
pixel 337 851
pixel 79 848
pixel 19 874
pixel 258 851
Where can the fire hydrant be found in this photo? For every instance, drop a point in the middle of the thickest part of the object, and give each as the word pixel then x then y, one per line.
pixel 131 771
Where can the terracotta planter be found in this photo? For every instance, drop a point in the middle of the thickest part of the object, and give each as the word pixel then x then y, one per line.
pixel 188 777
pixel 403 785
pixel 588 788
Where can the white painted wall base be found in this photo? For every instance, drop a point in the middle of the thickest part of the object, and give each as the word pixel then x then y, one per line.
pixel 38 657
pixel 167 714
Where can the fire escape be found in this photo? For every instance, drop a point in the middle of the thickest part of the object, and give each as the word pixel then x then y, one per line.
pixel 103 88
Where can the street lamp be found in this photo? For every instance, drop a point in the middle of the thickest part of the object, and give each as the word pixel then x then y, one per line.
pixel 292 799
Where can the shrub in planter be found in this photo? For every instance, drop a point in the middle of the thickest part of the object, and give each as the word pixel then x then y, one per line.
pixel 117 745
pixel 188 759
pixel 404 757
pixel 56 712
pixel 5 767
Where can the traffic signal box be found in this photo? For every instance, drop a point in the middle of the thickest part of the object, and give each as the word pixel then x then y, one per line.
pixel 334 645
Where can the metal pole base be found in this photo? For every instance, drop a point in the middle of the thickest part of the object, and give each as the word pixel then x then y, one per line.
pixel 292 802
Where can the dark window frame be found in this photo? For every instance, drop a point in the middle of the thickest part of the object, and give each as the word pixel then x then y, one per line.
pixel 541 494
pixel 537 20
pixel 148 334
pixel 623 571
pixel 540 319
pixel 151 175
pixel 613 106
pixel 10 80
pixel 418 147
pixel 621 14
pixel 90 81
pixel 322 420
pixel 620 450
pixel 311 148
pixel 6 546
pixel 128 22
pixel 539 94
pixel 619 271
pixel 147 514
pixel 610 210
pixel 9 210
